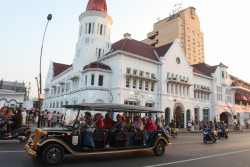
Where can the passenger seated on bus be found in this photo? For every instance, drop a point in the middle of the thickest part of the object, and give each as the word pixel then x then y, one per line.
pixel 128 122
pixel 144 121
pixel 149 128
pixel 136 125
pixel 87 134
pixel 118 127
pixel 120 124
pixel 108 122
pixel 98 122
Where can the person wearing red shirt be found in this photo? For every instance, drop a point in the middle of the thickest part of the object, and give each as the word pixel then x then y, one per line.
pixel 98 121
pixel 108 122
pixel 149 128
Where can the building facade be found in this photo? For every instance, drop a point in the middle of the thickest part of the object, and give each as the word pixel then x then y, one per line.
pixel 12 93
pixel 184 25
pixel 134 73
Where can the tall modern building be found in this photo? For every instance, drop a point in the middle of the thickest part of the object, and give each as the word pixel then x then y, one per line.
pixel 184 25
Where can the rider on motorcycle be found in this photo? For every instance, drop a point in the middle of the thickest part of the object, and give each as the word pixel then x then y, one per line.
pixel 211 127
pixel 17 121
pixel 172 124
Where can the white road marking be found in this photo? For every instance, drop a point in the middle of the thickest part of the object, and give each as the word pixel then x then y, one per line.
pixel 195 159
pixel 186 143
pixel 9 141
pixel 11 152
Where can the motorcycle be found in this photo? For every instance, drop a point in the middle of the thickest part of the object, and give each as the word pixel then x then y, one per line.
pixel 172 131
pixel 223 133
pixel 209 135
pixel 237 127
pixel 22 134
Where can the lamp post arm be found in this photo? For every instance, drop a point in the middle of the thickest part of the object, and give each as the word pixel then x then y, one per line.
pixel 40 75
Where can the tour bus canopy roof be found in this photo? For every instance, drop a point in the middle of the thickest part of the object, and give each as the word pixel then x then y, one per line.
pixel 114 107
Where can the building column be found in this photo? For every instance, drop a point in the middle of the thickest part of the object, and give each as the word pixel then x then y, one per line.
pixel 180 90
pixel 174 85
pixel 130 83
pixel 137 84
pixel 184 89
pixel 170 88
pixel 185 119
pixel 177 89
pixel 149 86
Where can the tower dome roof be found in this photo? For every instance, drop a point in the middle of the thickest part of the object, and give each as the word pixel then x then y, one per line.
pixel 98 5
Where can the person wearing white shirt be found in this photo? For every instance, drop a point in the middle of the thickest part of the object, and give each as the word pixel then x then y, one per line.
pixel 24 115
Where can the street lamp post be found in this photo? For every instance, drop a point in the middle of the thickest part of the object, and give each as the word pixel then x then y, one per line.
pixel 49 17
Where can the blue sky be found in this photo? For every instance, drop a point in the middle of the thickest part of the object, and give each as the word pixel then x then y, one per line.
pixel 224 24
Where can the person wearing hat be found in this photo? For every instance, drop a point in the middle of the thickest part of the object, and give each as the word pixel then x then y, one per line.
pixel 17 121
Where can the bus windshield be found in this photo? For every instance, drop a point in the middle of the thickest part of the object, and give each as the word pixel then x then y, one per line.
pixel 70 117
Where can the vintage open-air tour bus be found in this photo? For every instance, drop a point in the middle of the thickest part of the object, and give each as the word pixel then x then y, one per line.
pixel 51 144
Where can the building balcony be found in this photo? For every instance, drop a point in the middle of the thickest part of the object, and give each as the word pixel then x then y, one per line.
pixel 74 77
pixel 204 90
pixel 181 82
pixel 152 42
pixel 152 79
pixel 152 34
pixel 61 82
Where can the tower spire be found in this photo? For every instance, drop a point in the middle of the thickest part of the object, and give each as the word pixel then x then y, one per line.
pixel 98 5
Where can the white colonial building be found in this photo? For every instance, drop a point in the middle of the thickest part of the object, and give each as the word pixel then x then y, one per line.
pixel 12 94
pixel 134 73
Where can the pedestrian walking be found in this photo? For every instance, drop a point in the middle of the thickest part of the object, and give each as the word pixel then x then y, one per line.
pixel 54 119
pixel 192 126
pixel 35 117
pixel 60 118
pixel 45 115
pixel 24 115
pixel 41 118
pixel 49 119
pixel 58 114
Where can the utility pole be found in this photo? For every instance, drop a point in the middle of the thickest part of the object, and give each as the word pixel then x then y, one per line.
pixel 28 92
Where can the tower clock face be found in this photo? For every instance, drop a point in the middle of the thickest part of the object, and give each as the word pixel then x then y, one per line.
pixel 178 60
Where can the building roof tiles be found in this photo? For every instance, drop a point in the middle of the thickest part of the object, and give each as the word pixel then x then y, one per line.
pixel 59 68
pixel 140 48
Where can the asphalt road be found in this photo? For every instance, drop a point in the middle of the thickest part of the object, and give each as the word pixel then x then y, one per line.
pixel 188 150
